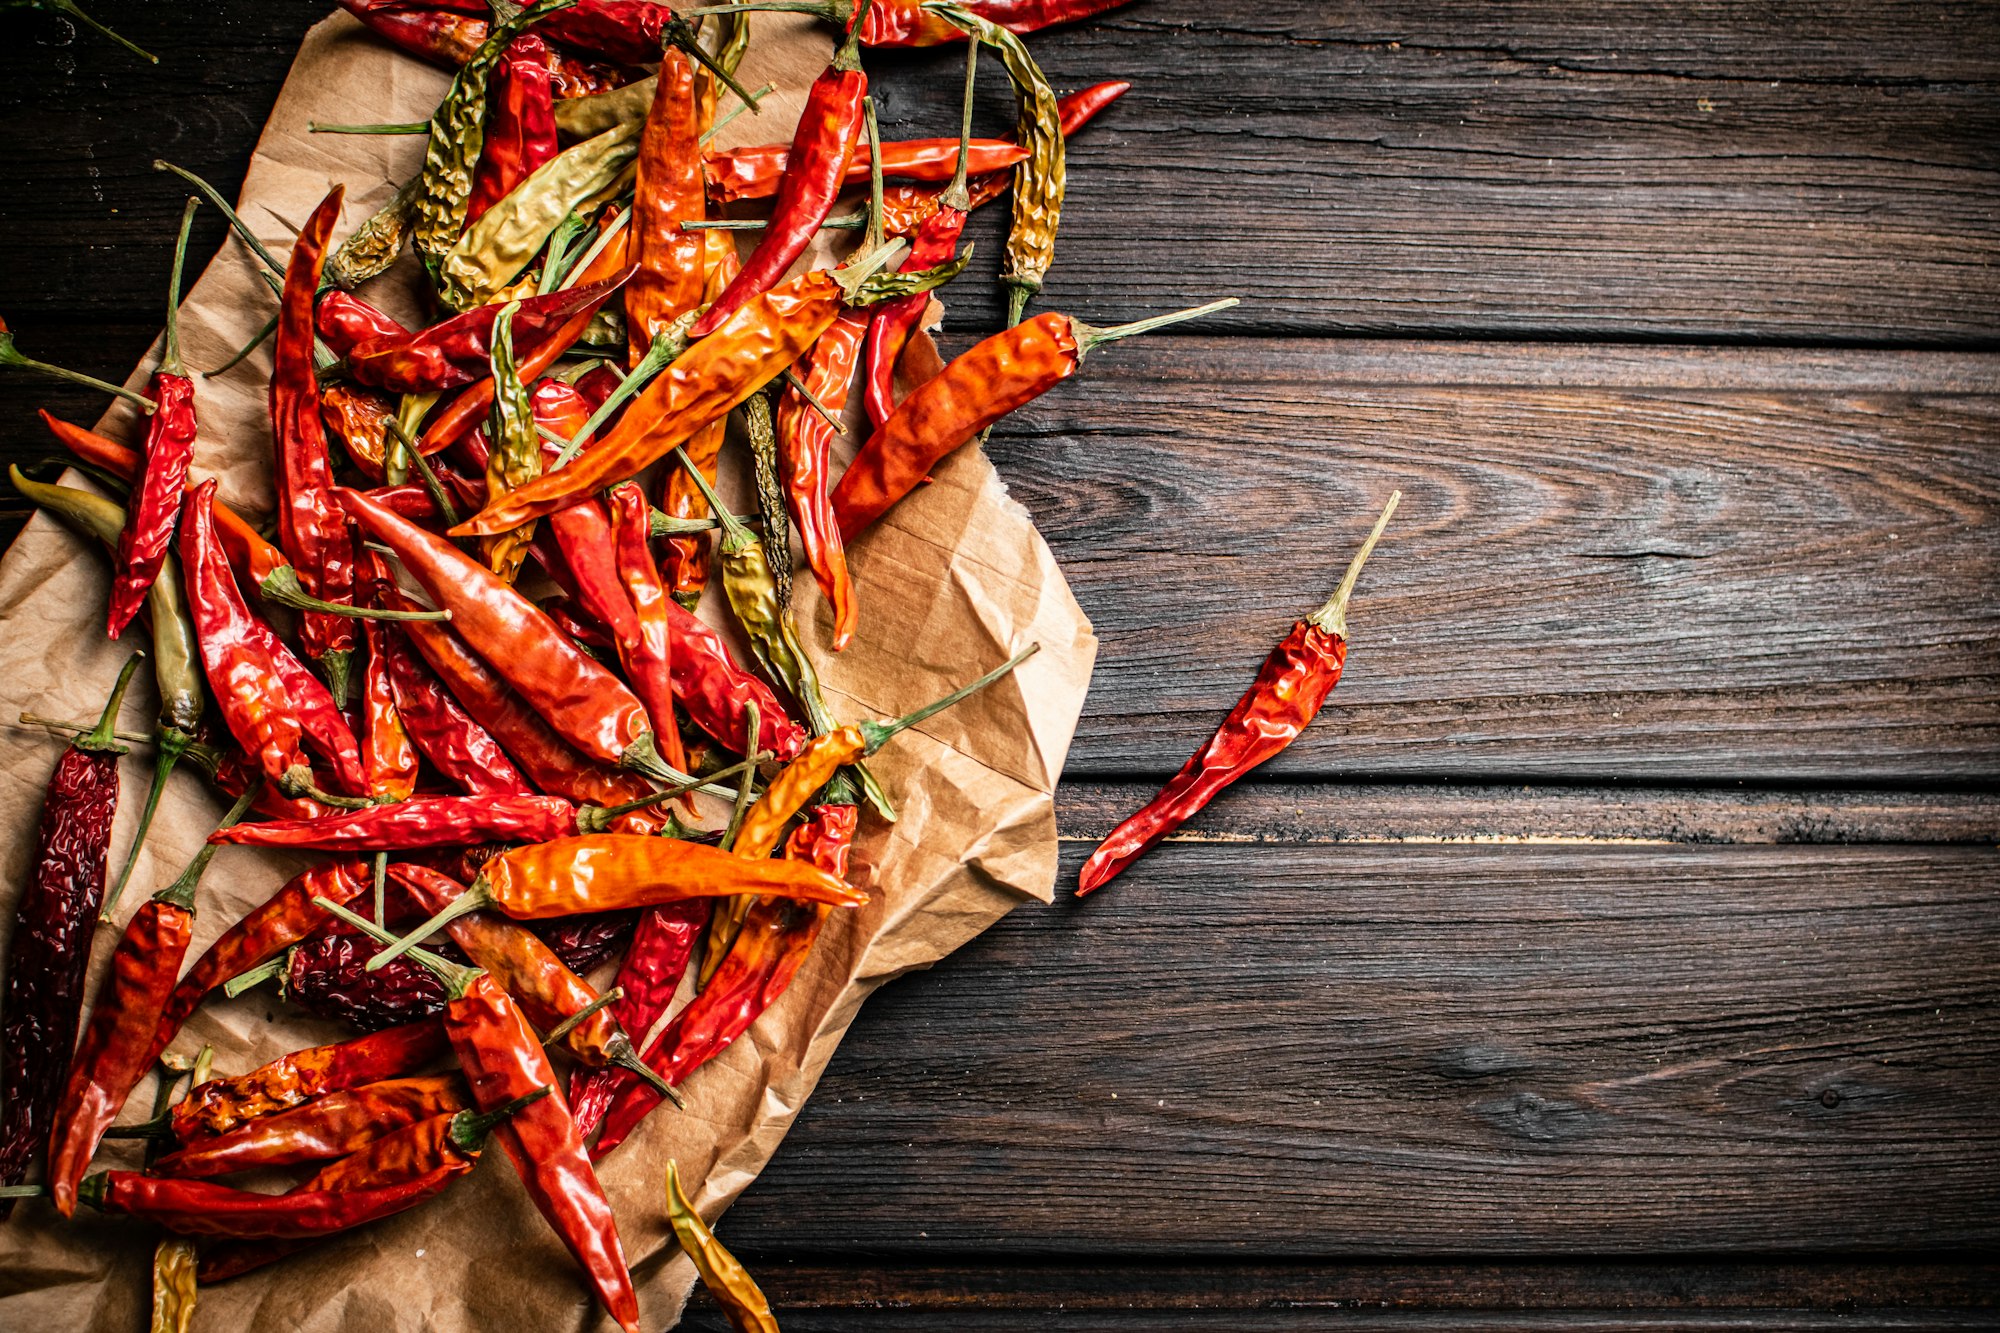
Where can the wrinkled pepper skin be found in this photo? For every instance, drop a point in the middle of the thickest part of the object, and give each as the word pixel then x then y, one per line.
pixel 204 1208
pixel 422 821
pixel 331 1126
pixel 220 1105
pixel 613 871
pixel 662 946
pixel 459 351
pixel 156 498
pixel 667 193
pixel 754 171
pixel 520 124
pixel 805 451
pixel 267 930
pixel 328 975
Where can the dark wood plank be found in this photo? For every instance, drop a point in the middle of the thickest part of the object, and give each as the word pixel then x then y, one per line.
pixel 1401 1051
pixel 1642 564
pixel 1805 172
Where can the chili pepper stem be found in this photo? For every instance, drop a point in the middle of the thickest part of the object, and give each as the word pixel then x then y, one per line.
pixel 734 529
pixel 875 229
pixel 627 1059
pixel 70 8
pixel 798 386
pixel 957 195
pixel 679 33
pixel 392 127
pixel 381 888
pixel 69 727
pixel 849 54
pixel 456 979
pixel 666 346
pixel 424 472
pixel 568 1025
pixel 469 1128
pixel 731 114
pixel 475 899
pixel 214 196
pixel 22 1191
pixel 170 361
pixel 10 355
pixel 180 893
pixel 173 744
pixel 100 736
pixel 1333 616
pixel 845 222
pixel 298 783
pixel 753 728
pixel 1089 337
pixel 257 339
pixel 595 819
pixel 666 525
pixel 878 733
pixel 255 977
pixel 282 585
pixel 337 665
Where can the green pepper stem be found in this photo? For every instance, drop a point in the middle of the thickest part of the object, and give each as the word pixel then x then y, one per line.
pixel 173 744
pixel 625 1058
pixel 878 733
pixel 957 195
pixel 70 8
pixel 665 349
pixel 849 54
pixel 679 32
pixel 826 414
pixel 595 819
pixel 256 976
pixel 180 893
pixel 336 664
pixel 282 585
pixel 643 756
pixel 10 355
pixel 1089 337
pixel 708 134
pixel 425 473
pixel 298 784
pixel 875 226
pixel 469 1129
pixel 381 888
pixel 820 9
pixel 457 980
pixel 390 127
pixel 170 363
pixel 1333 616
pixel 242 228
pixel 753 727
pixel 477 898
pixel 100 736
pixel 557 260
pixel 666 525
pixel 734 529
pixel 845 222
pixel 25 1191
pixel 257 340
pixel 570 1024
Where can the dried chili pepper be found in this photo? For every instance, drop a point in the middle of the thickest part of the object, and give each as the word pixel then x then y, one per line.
pixel 203 1208
pixel 359 418
pixel 156 493
pixel 218 1106
pixel 993 378
pixel 176 674
pixel 330 1126
pixel 914 23
pixel 449 1142
pixel 328 975
pixel 727 1280
pixel 584 703
pixel 11 358
pixel 50 949
pixel 648 659
pixel 517 448
pixel 345 322
pixel 714 375
pixel 1289 690
pixel 520 130
pixel 686 564
pixel 822 146
pixel 174 1288
pixel 668 192
pixel 389 758
pixel 450 39
pixel 754 171
pixel 460 350
pixel 805 441
pixel 503 1060
pixel 662 945
pixel 774 939
pixel 717 693
pixel 122 1043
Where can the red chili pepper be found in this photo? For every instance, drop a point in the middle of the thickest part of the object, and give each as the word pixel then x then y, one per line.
pixel 520 125
pixel 359 418
pixel 1006 371
pixel 687 564
pixel 756 170
pixel 310 529
pixel 774 939
pixel 648 658
pixel 459 350
pixel 805 444
pixel 203 1208
pixel 50 950
pixel 548 760
pixel 432 821
pixel 220 1105
pixel 345 321
pixel 253 558
pixel 121 1043
pixel 331 1126
pixel 822 147
pixel 584 703
pixel 717 692
pixel 667 193
pixel 908 23
pixel 1286 696
pixel 661 948
pixel 328 976
pixel 448 40
pixel 156 494
pixel 389 759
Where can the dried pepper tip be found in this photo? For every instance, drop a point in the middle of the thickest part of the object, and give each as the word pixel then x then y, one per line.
pixel 468 1129
pixel 1333 616
pixel 877 734
pixel 170 360
pixel 337 664
pixel 1089 337
pixel 180 893
pixel 457 979
pixel 721 1272
pixel 101 737
pixel 10 355
pixel 282 585
pixel 70 8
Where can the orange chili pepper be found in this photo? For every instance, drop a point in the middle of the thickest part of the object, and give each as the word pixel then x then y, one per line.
pixel 667 193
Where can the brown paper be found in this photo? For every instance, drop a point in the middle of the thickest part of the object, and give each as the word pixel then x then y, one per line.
pixel 951 583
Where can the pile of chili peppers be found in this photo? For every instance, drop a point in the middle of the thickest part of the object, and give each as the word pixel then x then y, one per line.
pixel 467 672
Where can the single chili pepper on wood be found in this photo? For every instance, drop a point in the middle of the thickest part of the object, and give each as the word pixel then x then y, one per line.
pixel 218 1106
pixel 331 1126
pixel 310 529
pixel 122 1041
pixel 1286 696
pixel 727 1280
pixel 50 949
pixel 982 385
pixel 822 147
pixel 156 493
pixel 503 1060
pixel 204 1208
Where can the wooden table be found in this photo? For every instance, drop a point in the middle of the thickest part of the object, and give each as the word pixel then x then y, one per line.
pixel 1619 951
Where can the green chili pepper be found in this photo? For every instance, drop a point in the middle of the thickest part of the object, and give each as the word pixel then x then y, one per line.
pixel 373 247
pixel 516 457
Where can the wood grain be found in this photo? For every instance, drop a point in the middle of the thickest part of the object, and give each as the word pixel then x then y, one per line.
pixel 1648 565
pixel 1401 1051
pixel 1811 173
